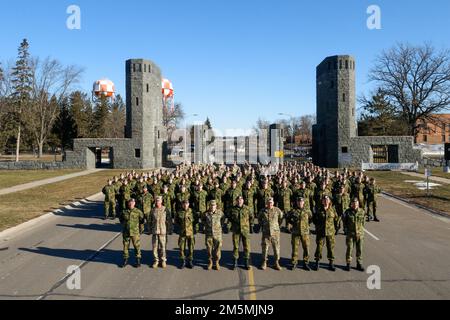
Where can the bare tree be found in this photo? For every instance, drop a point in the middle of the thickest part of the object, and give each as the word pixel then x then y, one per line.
pixel 415 81
pixel 172 118
pixel 51 82
pixel 261 125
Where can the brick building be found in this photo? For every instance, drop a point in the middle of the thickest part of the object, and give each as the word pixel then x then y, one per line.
pixel 435 130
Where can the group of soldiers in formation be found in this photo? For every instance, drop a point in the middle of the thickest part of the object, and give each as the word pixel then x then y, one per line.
pixel 245 199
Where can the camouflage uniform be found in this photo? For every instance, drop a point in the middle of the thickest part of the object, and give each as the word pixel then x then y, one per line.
pixel 185 219
pixel 144 203
pixel 125 195
pixel 341 204
pixel 213 234
pixel 240 218
pixel 325 232
pixel 270 221
pixel 131 218
pixel 158 229
pixel 216 194
pixel 167 202
pixel 371 192
pixel 249 201
pixel 300 220
pixel 354 221
pixel 199 199
pixel 110 200
pixel 358 192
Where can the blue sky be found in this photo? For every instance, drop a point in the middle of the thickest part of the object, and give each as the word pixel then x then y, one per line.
pixel 231 60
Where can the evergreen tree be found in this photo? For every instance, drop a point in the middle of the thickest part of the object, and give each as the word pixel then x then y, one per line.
pixel 101 117
pixel 22 87
pixel 65 126
pixel 81 111
pixel 116 119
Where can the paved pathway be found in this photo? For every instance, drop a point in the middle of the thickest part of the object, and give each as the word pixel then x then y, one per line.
pixel 39 183
pixel 422 176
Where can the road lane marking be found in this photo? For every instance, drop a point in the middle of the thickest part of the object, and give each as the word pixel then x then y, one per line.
pixel 251 284
pixel 81 265
pixel 370 234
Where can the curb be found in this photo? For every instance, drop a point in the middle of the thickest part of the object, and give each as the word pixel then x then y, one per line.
pixel 431 211
pixel 10 233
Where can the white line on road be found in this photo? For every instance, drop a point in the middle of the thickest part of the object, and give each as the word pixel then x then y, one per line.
pixel 370 234
pixel 81 265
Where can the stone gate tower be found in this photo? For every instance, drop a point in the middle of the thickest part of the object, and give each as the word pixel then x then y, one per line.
pixel 144 125
pixel 336 114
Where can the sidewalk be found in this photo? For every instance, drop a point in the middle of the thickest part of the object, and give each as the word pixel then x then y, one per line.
pixel 422 176
pixel 44 182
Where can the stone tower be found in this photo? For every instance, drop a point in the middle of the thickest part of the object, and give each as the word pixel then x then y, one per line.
pixel 336 114
pixel 144 124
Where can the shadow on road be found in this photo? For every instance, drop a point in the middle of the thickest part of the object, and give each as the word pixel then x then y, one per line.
pixel 94 227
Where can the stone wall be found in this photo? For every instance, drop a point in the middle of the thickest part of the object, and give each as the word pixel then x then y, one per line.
pixel 37 165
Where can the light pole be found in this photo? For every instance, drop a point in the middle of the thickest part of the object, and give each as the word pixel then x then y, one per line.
pixel 292 128
pixel 186 133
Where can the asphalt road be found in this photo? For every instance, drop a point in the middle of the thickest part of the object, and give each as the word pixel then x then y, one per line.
pixel 411 248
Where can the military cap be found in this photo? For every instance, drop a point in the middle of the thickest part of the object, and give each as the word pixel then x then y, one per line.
pixel 355 200
pixel 159 198
pixel 213 203
pixel 240 197
pixel 131 200
pixel 186 201
pixel 300 199
pixel 270 199
pixel 145 188
pixel 326 197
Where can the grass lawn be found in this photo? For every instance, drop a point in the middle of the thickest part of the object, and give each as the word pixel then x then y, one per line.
pixel 10 178
pixel 394 183
pixel 437 172
pixel 22 206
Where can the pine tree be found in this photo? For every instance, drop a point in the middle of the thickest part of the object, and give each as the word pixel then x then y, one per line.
pixel 101 117
pixel 81 111
pixel 22 87
pixel 65 126
pixel 116 119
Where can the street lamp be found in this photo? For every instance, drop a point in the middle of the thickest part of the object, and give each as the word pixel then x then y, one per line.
pixel 185 134
pixel 292 128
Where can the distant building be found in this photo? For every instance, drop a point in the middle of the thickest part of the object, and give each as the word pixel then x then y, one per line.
pixel 435 131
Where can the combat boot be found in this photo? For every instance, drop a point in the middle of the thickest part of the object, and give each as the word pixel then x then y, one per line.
pixel 316 267
pixel 217 266
pixel 376 219
pixel 277 266
pixel 348 268
pixel 332 267
pixel 183 265
pixel 235 264
pixel 125 263
pixel 294 266
pixel 306 266
pixel 138 262
pixel 264 265
pixel 189 264
pixel 163 265
pixel 155 265
pixel 210 265
pixel 359 267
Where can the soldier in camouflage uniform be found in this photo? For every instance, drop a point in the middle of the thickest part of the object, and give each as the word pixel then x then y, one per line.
pixel 199 200
pixel 284 195
pixel 300 219
pixel 182 196
pixel 249 194
pixel 168 203
pixel 240 218
pixel 216 194
pixel 185 219
pixel 125 194
pixel 212 221
pixel 270 220
pixel 341 204
pixel 145 203
pixel 130 219
pixel 158 221
pixel 371 191
pixel 231 197
pixel 358 191
pixel 110 200
pixel 325 220
pixel 354 219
